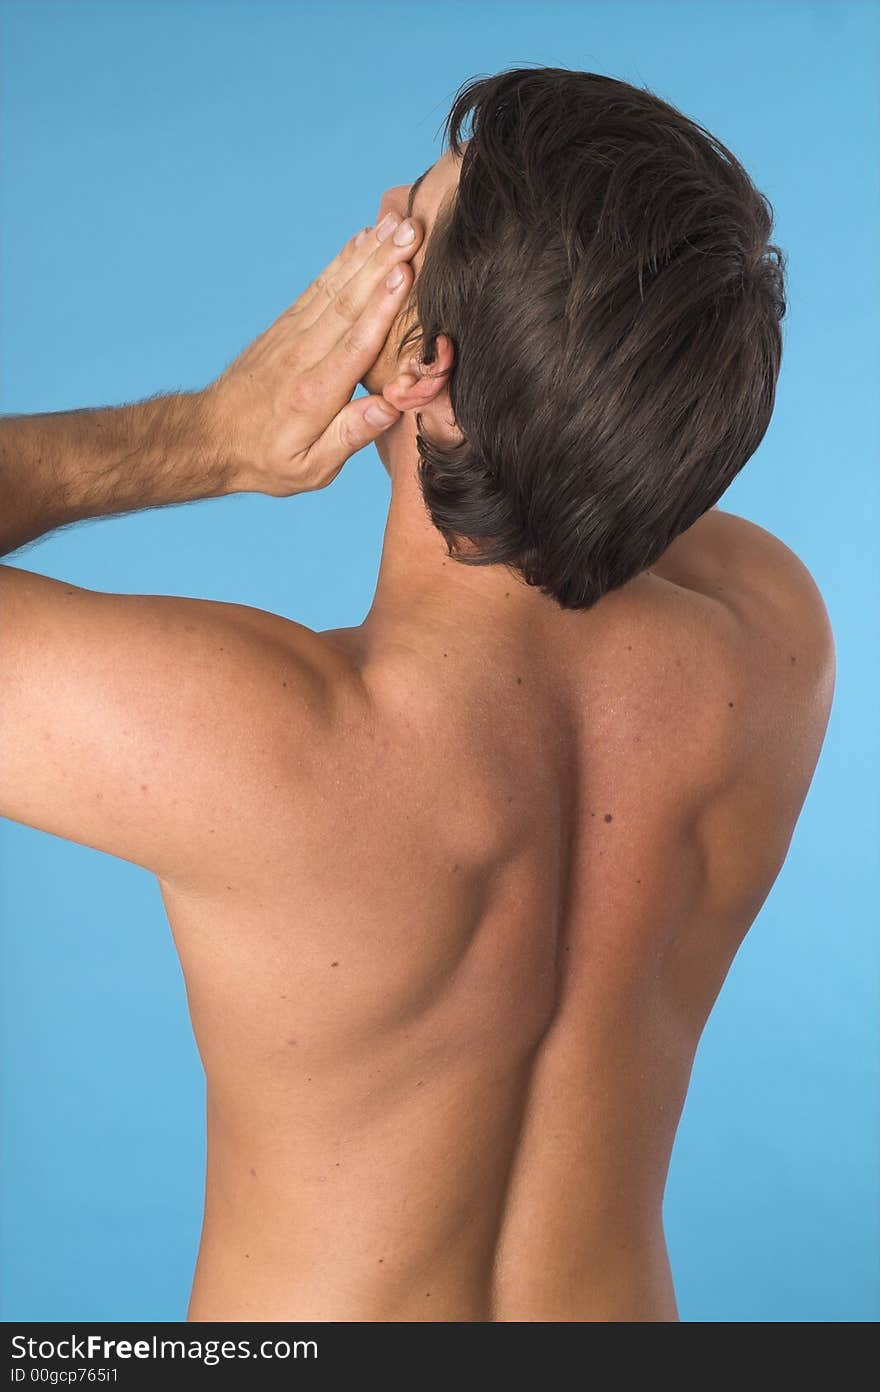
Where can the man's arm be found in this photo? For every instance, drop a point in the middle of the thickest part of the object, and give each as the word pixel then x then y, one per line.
pixel 279 420
pixel 136 723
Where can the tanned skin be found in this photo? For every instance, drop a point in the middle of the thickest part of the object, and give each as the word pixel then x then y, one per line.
pixel 454 890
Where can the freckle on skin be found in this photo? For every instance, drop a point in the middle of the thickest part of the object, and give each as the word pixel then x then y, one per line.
pixel 793 658
pixel 291 1041
pixel 519 681
pixel 334 964
pixel 254 1173
pixel 284 683
pixel 730 703
pixel 608 817
pixel 143 787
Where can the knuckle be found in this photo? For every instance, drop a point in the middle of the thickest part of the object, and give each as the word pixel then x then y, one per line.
pixel 355 342
pixel 348 435
pixel 344 304
pixel 327 284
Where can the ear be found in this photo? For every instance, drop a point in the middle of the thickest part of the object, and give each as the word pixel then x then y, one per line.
pixel 423 386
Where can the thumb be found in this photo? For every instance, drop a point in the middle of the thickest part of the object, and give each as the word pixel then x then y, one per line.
pixel 378 415
pixel 356 425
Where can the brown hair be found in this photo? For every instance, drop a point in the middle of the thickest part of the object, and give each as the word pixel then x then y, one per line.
pixel 604 273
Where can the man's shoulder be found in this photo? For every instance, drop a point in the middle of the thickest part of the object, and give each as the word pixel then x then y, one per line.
pixel 759 579
pixel 761 692
pixel 786 618
pixel 262 641
pixel 260 701
pixel 770 684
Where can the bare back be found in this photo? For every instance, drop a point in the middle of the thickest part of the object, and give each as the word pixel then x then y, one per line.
pixel 449 971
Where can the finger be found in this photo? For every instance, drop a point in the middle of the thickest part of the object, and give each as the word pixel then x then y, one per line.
pixel 354 253
pixel 349 259
pixel 349 431
pixel 343 295
pixel 333 378
pixel 356 250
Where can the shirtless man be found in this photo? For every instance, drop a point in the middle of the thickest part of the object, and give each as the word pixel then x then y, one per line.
pixel 455 890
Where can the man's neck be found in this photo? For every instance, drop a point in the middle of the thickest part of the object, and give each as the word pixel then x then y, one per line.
pixel 422 594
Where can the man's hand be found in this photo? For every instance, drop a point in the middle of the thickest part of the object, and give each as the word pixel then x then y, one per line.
pixel 282 412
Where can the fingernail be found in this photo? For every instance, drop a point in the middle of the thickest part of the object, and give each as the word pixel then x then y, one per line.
pixel 376 414
pixel 404 234
pixel 386 226
pixel 394 279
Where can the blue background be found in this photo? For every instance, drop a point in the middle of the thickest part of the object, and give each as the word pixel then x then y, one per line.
pixel 172 177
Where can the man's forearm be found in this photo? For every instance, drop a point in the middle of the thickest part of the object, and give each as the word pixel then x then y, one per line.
pixel 65 466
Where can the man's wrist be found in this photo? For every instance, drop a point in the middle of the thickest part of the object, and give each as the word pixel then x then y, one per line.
pixel 218 443
pixel 165 449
